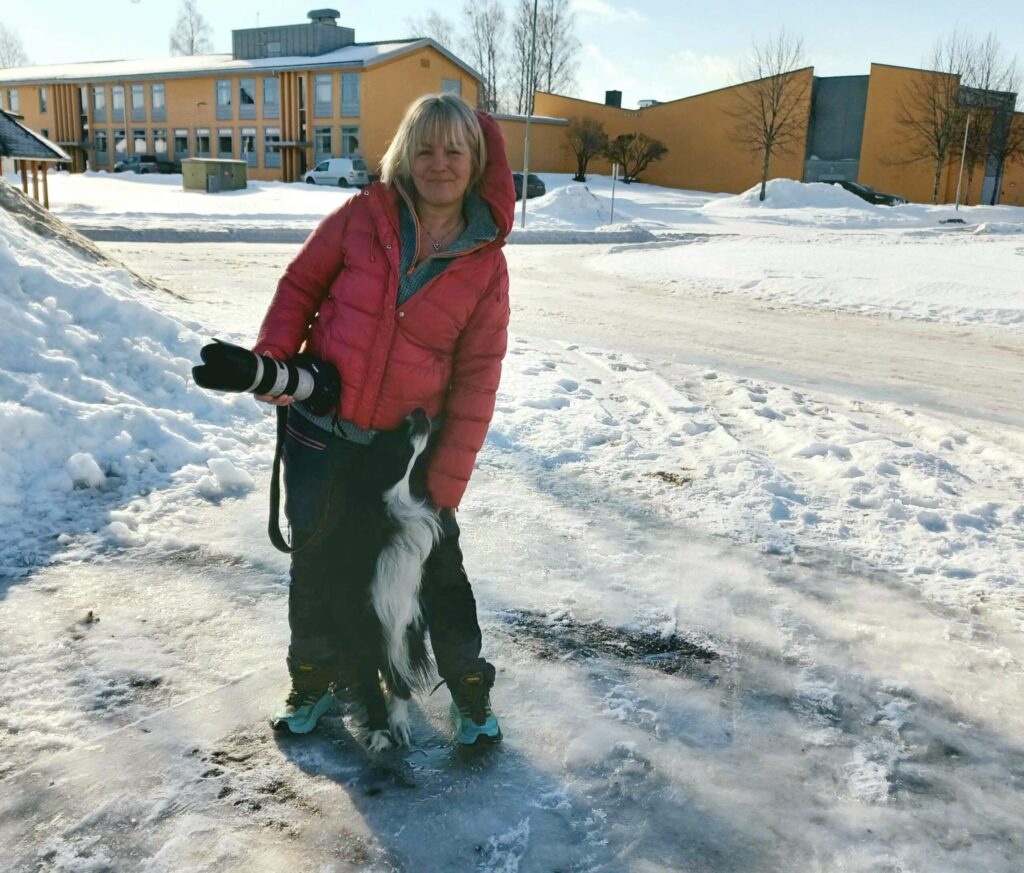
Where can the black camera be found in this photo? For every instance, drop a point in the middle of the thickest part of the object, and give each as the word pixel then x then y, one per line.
pixel 228 367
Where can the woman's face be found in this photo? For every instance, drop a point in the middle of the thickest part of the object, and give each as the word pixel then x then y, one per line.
pixel 441 172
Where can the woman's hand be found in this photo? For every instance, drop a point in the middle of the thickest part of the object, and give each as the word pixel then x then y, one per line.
pixel 280 400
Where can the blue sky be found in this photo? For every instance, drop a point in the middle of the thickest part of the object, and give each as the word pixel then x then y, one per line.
pixel 660 49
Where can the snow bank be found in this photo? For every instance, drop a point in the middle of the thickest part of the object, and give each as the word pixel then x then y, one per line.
pixel 789 194
pixel 95 401
pixel 572 206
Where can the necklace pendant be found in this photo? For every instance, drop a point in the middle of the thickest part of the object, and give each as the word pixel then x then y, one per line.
pixel 436 245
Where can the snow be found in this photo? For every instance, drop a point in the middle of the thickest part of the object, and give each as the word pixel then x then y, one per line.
pixel 748 559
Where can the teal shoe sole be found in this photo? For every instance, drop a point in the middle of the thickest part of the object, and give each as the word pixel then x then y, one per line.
pixel 305 718
pixel 469 733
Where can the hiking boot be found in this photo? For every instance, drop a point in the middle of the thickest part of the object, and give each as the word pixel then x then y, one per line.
pixel 304 706
pixel 475 723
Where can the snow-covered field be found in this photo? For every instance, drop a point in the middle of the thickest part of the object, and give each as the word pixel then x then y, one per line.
pixel 747 538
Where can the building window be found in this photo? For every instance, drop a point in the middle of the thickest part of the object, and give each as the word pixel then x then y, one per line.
pixel 100 144
pixel 246 98
pixel 1 99
pixel 42 99
pixel 271 98
pixel 271 148
pixel 180 144
pixel 349 141
pixel 99 103
pixel 350 94
pixel 322 97
pixel 117 102
pixel 451 86
pixel 225 143
pixel 321 144
pixel 248 146
pixel 160 143
pixel 158 102
pixel 224 98
pixel 138 102
pixel 120 143
pixel 274 49
pixel 138 142
pixel 14 100
pixel 202 142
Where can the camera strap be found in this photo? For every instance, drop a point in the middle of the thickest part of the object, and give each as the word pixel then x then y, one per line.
pixel 274 527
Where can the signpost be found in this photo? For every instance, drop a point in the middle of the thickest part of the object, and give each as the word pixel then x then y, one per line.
pixel 615 176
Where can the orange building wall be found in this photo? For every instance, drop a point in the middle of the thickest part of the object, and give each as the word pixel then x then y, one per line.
pixel 547 154
pixel 703 153
pixel 1012 190
pixel 386 90
pixel 884 149
pixel 389 88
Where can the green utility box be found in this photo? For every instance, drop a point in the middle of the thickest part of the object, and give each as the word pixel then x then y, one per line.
pixel 213 175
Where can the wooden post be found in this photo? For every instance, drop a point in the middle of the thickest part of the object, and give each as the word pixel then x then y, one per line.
pixel 24 177
pixel 46 187
pixel 35 181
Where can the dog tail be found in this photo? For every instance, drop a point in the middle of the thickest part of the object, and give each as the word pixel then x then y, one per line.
pixel 396 594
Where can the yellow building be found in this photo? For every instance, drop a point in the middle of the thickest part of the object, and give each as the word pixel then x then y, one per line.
pixel 283 100
pixel 850 131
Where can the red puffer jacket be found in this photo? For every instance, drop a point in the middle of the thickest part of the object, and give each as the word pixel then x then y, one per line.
pixel 441 350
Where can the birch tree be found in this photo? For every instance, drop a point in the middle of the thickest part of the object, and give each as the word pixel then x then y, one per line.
pixel 484 44
pixel 773 103
pixel 191 34
pixel 930 112
pixel 12 52
pixel 436 27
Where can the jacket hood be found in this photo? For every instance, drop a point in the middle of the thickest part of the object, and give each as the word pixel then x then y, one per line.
pixel 496 186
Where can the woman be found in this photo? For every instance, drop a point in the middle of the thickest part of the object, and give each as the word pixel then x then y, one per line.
pixel 405 290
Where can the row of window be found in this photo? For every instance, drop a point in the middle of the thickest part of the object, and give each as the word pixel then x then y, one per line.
pixel 200 142
pixel 323 99
pixel 137 102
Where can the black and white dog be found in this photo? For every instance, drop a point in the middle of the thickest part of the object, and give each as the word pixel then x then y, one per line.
pixel 391 535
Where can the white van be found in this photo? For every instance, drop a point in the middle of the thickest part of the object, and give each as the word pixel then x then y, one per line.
pixel 339 171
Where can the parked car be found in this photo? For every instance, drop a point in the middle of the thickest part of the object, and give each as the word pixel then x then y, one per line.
pixel 339 171
pixel 866 192
pixel 136 164
pixel 534 187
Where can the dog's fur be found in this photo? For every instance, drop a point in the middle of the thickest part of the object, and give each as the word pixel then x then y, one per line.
pixel 391 534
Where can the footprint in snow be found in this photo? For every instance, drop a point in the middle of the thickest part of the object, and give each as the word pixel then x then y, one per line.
pixel 549 403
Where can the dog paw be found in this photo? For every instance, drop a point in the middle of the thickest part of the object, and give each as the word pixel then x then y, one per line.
pixel 398 720
pixel 401 732
pixel 379 741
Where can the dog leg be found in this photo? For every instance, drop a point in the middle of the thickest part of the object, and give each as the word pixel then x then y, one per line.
pixel 398 719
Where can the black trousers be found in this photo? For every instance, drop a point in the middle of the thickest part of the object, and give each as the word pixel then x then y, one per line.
pixel 320 471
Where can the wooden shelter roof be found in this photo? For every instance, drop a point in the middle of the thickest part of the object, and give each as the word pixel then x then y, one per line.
pixel 21 142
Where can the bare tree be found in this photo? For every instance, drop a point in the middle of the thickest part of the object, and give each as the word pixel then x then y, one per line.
pixel 484 43
pixel 556 60
pixel 521 85
pixel 12 52
pixel 989 95
pixel 436 27
pixel 634 151
pixel 191 34
pixel 774 103
pixel 930 111
pixel 586 139
pixel 557 47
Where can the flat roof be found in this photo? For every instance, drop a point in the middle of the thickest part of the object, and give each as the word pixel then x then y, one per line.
pixel 355 55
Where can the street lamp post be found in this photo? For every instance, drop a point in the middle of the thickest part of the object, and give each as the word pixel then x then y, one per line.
pixel 963 155
pixel 529 112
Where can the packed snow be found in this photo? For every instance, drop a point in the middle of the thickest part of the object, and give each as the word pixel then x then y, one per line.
pixel 749 559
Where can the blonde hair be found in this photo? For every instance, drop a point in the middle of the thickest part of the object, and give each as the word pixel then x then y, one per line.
pixel 434 118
